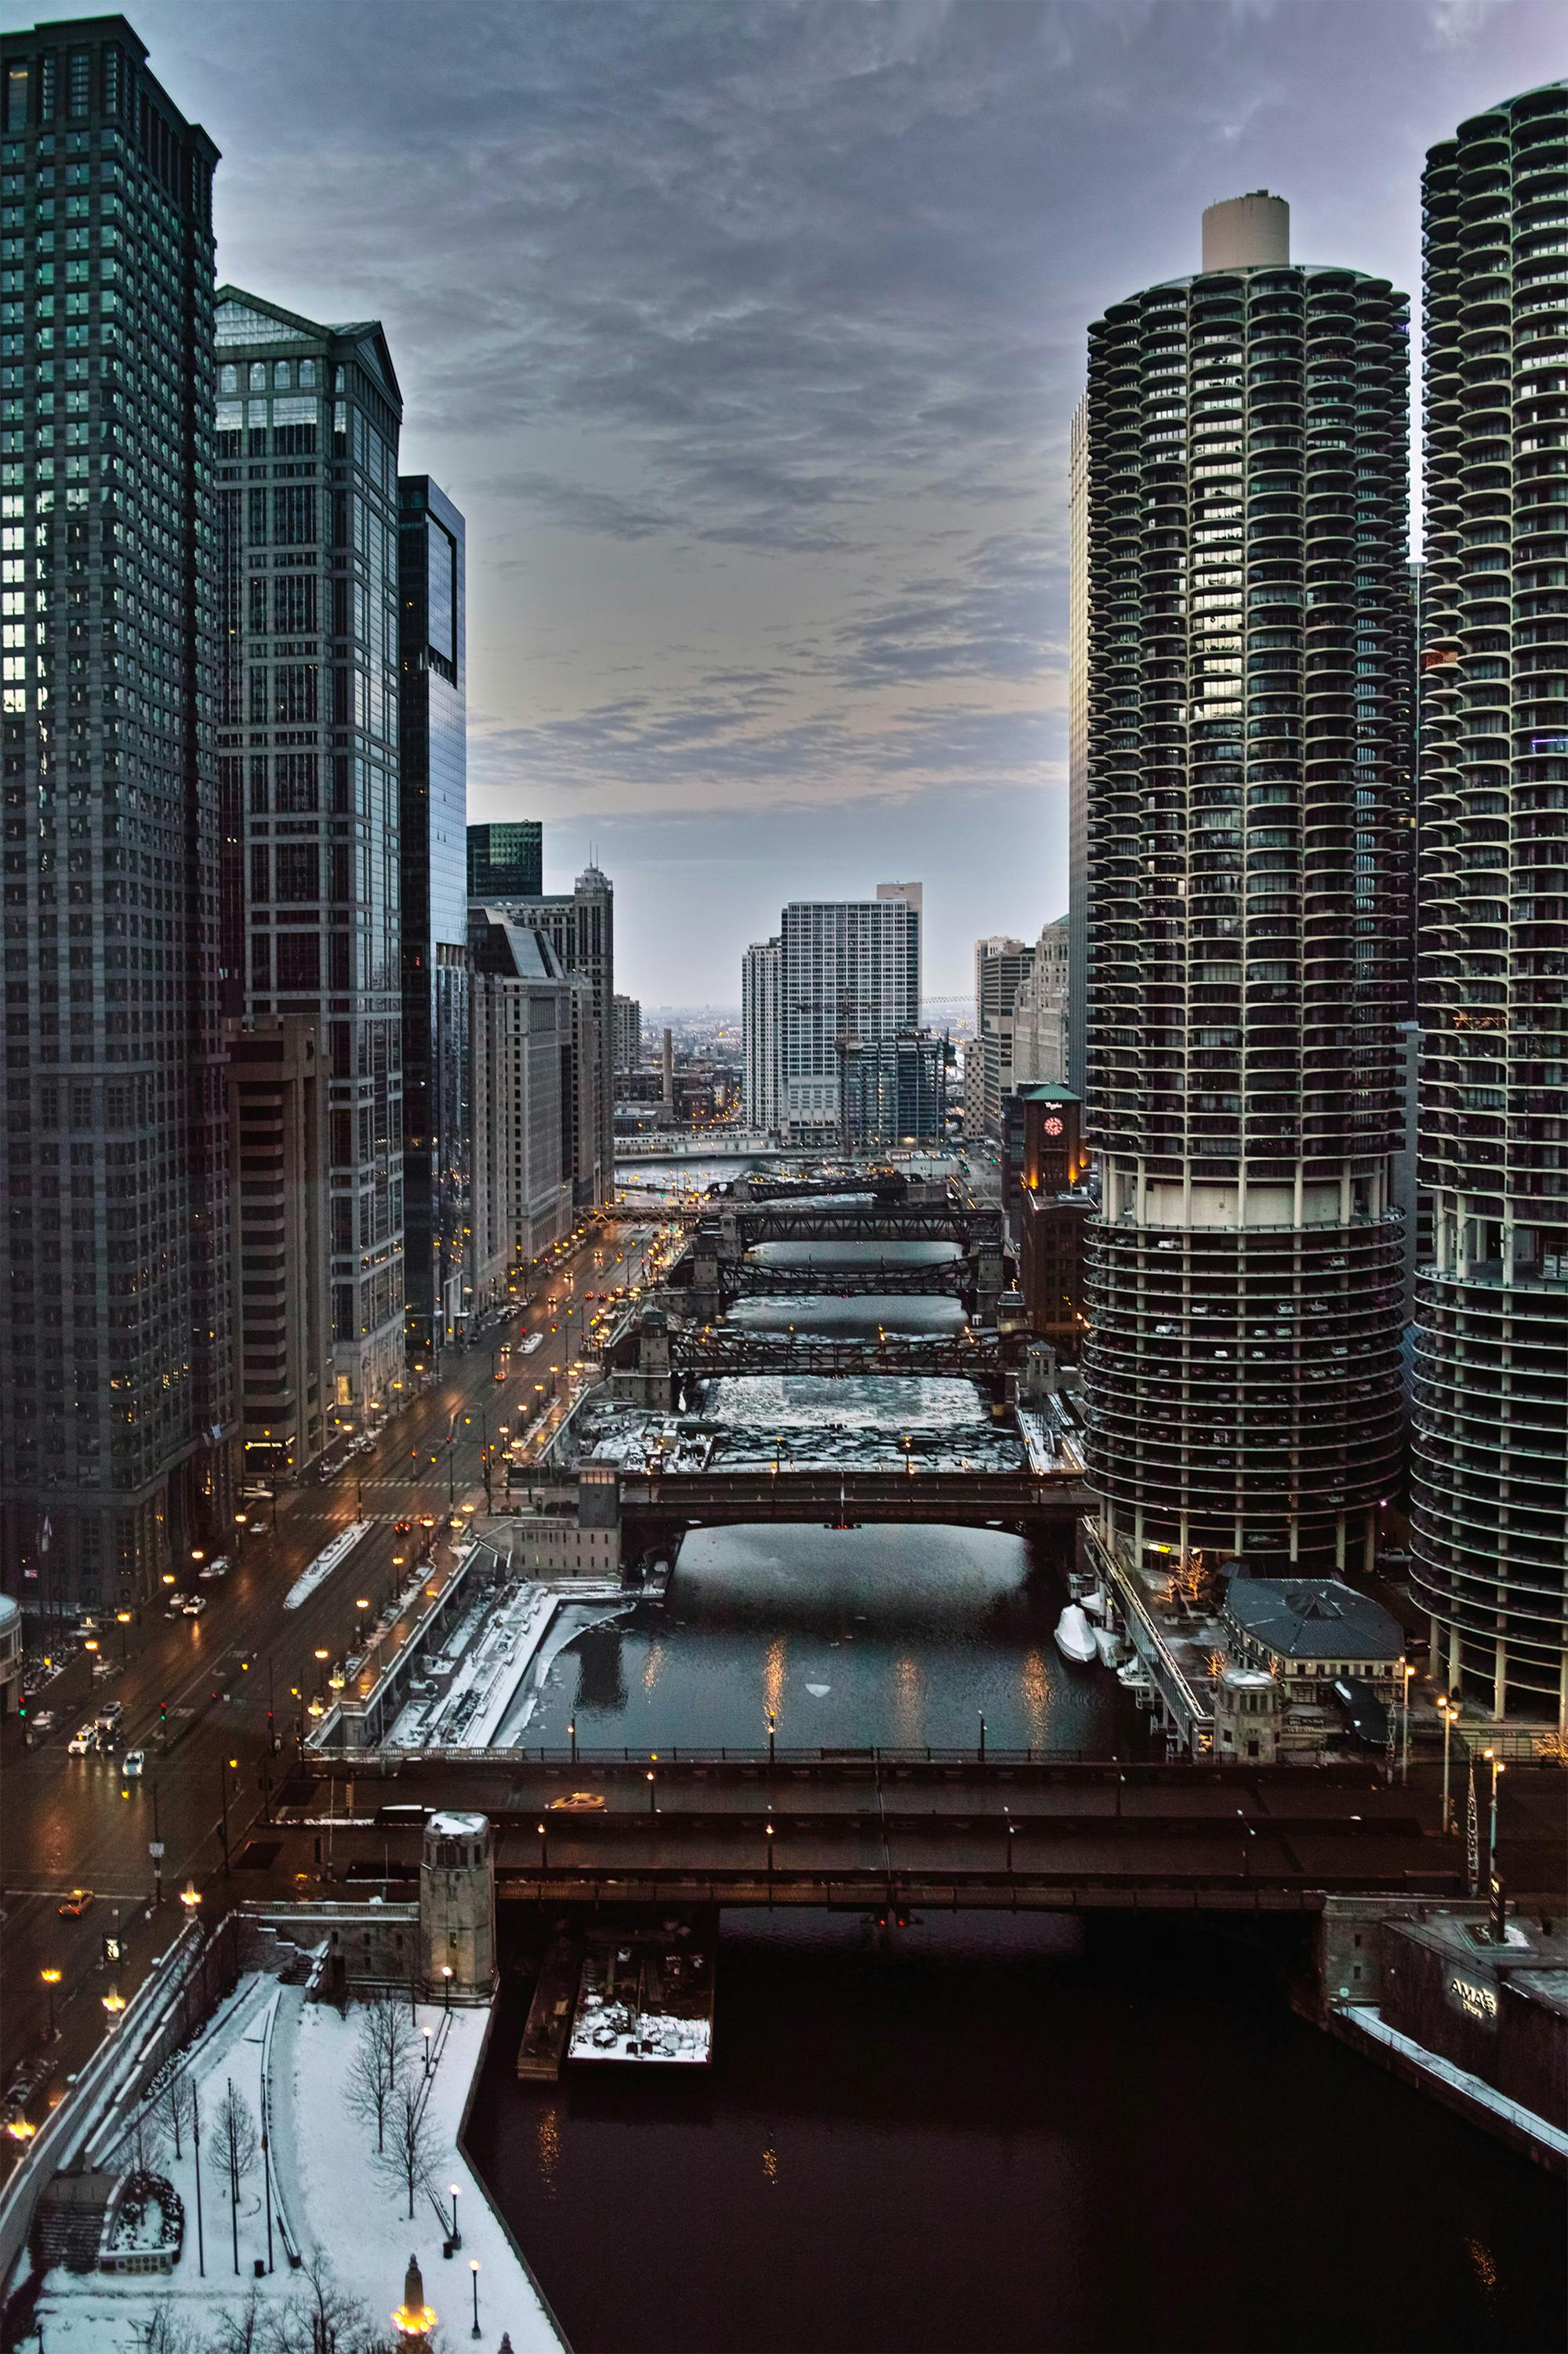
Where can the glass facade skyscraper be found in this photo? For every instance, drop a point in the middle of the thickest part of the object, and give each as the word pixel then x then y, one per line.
pixel 433 734
pixel 507 860
pixel 1489 1505
pixel 1248 787
pixel 308 420
pixel 116 1393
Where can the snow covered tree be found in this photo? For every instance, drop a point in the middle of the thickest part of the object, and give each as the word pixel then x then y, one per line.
pixel 382 2052
pixel 409 2154
pixel 172 2107
pixel 236 2147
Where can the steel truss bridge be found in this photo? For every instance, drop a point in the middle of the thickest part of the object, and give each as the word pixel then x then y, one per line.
pixel 848 1499
pixel 712 1351
pixel 850 1281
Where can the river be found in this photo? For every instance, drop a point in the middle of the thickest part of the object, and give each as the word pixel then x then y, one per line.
pixel 975 2132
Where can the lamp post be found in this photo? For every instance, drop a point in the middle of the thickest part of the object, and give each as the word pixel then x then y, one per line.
pixel 572 1732
pixel 1405 1673
pixel 652 1792
pixel 1496 1763
pixel 768 1834
pixel 425 2032
pixel 1448 1710
pixel 1012 1827
pixel 224 1767
pixel 190 1897
pixel 51 1979
pixel 446 1989
pixel 983 1736
pixel 773 1728
pixel 544 1851
pixel 457 2236
pixel 474 2276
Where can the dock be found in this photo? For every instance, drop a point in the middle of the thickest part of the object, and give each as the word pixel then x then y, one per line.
pixel 647 1994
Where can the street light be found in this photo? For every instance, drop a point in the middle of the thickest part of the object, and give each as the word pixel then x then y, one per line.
pixel 652 1795
pixel 1447 1710
pixel 1496 1764
pixel 447 1993
pixel 474 2276
pixel 51 1979
pixel 114 2003
pixel 190 1897
pixel 425 2032
pixel 1406 1672
pixel 457 2236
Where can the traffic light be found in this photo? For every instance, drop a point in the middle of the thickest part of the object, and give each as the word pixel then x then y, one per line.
pixel 162 1714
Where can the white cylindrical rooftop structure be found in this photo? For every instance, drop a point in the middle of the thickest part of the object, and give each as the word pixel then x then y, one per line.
pixel 1246 232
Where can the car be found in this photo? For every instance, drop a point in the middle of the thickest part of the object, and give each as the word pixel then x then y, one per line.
pixel 72 1907
pixel 578 1802
pixel 83 1741
pixel 193 1605
pixel 42 1719
pixel 218 1568
pixel 110 1714
pixel 134 1764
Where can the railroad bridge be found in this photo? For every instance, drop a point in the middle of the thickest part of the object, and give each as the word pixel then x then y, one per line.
pixel 709 1350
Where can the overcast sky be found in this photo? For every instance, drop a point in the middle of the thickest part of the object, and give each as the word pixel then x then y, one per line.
pixel 746 337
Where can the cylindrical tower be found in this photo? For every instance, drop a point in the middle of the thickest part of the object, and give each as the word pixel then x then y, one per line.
pixel 1249 789
pixel 1491 1471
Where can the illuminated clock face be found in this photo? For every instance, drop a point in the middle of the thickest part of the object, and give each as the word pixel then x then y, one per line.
pixel 1053 1127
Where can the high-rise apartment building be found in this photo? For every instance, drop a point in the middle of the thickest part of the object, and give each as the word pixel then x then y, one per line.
pixel 432 856
pixel 760 1037
pixel 1489 1506
pixel 524 1013
pixel 506 861
pixel 116 1376
pixel 1002 968
pixel 895 1090
pixel 1248 786
pixel 1078 743
pixel 308 420
pixel 581 927
pixel 627 1034
pixel 848 970
pixel 1042 1010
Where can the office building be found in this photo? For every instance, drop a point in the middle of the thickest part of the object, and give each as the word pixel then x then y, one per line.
pixel 761 1035
pixel 506 861
pixel 278 1144
pixel 308 420
pixel 1046 1204
pixel 581 927
pixel 1001 967
pixel 524 1011
pixel 1249 788
pixel 895 1090
pixel 848 971
pixel 432 732
pixel 1040 1009
pixel 1489 1485
pixel 1077 744
pixel 116 1343
pixel 628 1016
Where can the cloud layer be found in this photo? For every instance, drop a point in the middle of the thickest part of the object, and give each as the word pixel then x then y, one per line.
pixel 747 336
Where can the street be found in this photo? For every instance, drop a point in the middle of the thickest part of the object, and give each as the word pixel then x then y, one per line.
pixel 214 1701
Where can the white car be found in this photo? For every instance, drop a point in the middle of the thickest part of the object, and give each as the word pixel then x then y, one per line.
pixel 218 1568
pixel 83 1741
pixel 134 1764
pixel 194 1604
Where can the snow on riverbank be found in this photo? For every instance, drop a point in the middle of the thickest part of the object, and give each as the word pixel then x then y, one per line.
pixel 341 2205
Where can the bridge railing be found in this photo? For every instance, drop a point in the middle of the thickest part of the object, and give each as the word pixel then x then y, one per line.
pixel 581 1759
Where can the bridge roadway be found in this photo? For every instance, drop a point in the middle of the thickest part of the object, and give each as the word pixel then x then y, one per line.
pixel 845 1498
pixel 710 1351
pixel 784 1222
pixel 848 1829
pixel 873 1277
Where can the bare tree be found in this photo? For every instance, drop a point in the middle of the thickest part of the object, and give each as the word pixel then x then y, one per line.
pixel 164 2332
pixel 409 2154
pixel 321 2317
pixel 382 2052
pixel 172 2107
pixel 235 2146
pixel 145 2141
pixel 242 2329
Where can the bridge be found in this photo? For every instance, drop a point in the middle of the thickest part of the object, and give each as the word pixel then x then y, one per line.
pixel 850 1281
pixel 710 1351
pixel 859 1829
pixel 851 1498
pixel 715 1144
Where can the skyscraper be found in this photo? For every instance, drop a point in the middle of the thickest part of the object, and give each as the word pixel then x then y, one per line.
pixel 1248 656
pixel 581 927
pixel 1002 968
pixel 523 1013
pixel 760 1040
pixel 1489 1517
pixel 308 761
pixel 506 861
pixel 116 1381
pixel 849 970
pixel 627 1034
pixel 1040 1009
pixel 432 856
pixel 1078 744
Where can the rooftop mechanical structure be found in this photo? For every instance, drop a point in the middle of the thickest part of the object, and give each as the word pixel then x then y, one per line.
pixel 1489 1517
pixel 1248 789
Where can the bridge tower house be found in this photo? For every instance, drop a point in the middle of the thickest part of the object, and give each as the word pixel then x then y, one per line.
pixel 457 1908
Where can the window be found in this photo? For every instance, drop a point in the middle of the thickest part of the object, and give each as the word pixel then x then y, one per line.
pixel 293 514
pixel 307 376
pixel 228 378
pixel 258 375
pixel 297 871
pixel 299 961
pixel 294 605
pixel 282 376
pixel 297 781
pixel 294 698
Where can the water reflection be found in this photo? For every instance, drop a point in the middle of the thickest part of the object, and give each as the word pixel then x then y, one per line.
pixel 888 1636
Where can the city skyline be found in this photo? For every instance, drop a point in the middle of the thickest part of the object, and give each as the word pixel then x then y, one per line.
pixel 771 504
